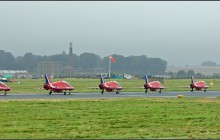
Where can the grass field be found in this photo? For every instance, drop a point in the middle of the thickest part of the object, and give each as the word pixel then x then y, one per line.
pixel 81 85
pixel 111 118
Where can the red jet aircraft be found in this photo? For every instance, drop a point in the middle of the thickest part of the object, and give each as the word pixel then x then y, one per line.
pixel 153 86
pixel 3 87
pixel 109 86
pixel 198 85
pixel 58 86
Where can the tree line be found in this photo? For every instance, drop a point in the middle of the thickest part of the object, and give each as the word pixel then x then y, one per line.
pixel 182 74
pixel 131 64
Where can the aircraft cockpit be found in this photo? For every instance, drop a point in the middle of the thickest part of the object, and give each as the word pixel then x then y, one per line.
pixel 66 83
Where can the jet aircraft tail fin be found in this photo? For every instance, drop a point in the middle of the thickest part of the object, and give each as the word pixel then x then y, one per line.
pixel 192 80
pixel 146 78
pixel 47 80
pixel 101 79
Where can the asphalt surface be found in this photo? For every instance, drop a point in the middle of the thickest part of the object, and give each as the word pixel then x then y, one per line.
pixel 208 94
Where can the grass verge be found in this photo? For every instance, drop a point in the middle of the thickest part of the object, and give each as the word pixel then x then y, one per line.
pixel 111 118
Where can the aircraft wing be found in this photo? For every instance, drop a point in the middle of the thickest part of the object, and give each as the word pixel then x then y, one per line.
pixel 144 87
pixel 139 87
pixel 93 87
pixel 184 86
pixel 62 88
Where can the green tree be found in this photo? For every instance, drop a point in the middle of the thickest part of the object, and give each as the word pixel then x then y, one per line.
pixel 6 60
pixel 208 63
pixel 89 60
pixel 190 73
pixel 181 74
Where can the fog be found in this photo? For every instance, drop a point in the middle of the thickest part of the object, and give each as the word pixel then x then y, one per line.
pixel 180 32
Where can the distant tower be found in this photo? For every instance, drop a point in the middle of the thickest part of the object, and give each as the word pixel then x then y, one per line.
pixel 71 55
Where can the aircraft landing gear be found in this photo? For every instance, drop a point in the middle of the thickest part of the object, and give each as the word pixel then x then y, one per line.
pixel 50 92
pixel 117 92
pixel 146 91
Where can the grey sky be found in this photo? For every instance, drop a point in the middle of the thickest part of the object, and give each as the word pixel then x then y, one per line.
pixel 180 32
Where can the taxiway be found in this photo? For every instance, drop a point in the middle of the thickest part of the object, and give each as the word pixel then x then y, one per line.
pixel 208 94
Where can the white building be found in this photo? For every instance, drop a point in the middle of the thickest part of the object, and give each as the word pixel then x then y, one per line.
pixel 15 73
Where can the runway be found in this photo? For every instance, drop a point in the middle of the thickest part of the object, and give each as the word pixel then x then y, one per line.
pixel 208 94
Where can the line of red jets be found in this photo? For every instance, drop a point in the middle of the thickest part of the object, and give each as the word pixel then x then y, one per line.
pixel 110 86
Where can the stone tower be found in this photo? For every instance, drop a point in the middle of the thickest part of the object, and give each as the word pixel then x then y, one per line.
pixel 71 55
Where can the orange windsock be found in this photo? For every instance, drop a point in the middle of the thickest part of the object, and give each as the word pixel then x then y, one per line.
pixel 112 59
